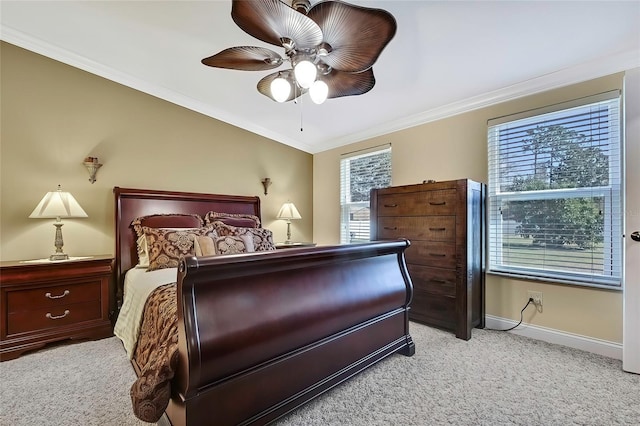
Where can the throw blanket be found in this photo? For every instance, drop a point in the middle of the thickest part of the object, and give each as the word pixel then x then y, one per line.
pixel 156 354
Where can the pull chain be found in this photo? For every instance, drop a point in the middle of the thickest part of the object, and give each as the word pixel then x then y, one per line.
pixel 301 110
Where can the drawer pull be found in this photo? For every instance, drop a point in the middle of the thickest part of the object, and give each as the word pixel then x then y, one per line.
pixel 391 205
pixel 437 229
pixel 391 228
pixel 442 203
pixel 55 317
pixel 438 281
pixel 437 254
pixel 49 296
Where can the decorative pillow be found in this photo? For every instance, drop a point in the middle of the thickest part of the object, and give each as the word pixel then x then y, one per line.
pixel 204 246
pixel 231 244
pixel 143 251
pixel 170 220
pixel 262 237
pixel 233 219
pixel 167 246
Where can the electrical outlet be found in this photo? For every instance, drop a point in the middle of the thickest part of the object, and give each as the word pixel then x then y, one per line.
pixel 537 298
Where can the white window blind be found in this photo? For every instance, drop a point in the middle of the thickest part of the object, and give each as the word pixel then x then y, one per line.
pixel 555 196
pixel 359 173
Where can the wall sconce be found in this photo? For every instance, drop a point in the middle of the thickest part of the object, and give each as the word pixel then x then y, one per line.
pixel 266 182
pixel 92 165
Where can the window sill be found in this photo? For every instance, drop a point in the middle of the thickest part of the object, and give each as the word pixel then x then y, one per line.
pixel 550 280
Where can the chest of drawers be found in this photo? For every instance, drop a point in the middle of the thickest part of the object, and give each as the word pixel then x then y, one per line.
pixel 444 221
pixel 43 302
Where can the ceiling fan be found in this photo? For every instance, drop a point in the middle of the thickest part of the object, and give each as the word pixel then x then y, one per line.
pixel 331 47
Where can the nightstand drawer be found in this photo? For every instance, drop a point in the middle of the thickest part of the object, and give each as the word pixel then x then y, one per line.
pixel 44 302
pixel 58 316
pixel 61 295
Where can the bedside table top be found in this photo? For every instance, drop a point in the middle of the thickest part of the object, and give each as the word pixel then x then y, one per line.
pixel 46 261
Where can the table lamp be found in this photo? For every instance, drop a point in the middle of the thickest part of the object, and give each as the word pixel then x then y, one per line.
pixel 287 212
pixel 58 205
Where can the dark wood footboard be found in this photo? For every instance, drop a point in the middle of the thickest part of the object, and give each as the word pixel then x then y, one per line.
pixel 263 333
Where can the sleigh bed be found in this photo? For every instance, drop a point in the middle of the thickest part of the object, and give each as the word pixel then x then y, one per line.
pixel 254 335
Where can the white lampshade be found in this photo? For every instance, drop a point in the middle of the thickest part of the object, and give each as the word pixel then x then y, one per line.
pixel 57 204
pixel 319 91
pixel 280 89
pixel 305 73
pixel 288 211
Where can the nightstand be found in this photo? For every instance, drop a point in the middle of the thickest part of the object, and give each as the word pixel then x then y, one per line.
pixel 293 245
pixel 44 301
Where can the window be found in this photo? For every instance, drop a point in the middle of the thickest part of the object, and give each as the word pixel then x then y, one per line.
pixel 359 173
pixel 555 196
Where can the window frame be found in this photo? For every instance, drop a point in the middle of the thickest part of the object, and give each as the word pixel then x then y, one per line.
pixel 346 205
pixel 612 194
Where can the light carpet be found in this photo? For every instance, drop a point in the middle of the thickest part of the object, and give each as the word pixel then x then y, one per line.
pixel 495 378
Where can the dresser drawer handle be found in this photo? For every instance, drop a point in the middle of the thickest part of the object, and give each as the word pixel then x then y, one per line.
pixel 438 281
pixel 391 228
pixel 442 203
pixel 49 296
pixel 437 254
pixel 391 205
pixel 54 317
pixel 437 229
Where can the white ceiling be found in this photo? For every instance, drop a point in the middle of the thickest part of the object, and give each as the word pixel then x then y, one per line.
pixel 447 57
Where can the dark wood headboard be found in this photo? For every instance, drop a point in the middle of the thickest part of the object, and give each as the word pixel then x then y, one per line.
pixel 133 203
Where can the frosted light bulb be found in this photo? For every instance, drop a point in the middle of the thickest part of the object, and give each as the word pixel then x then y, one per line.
pixel 280 89
pixel 319 91
pixel 305 73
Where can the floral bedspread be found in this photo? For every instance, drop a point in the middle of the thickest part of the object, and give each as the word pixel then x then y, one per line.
pixel 156 354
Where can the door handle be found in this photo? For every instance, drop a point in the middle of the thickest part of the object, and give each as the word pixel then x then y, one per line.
pixel 635 236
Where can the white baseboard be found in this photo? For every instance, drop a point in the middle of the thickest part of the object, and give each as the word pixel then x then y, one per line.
pixel 576 341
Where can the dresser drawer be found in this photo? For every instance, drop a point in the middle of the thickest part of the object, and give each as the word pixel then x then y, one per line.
pixel 433 280
pixel 433 309
pixel 442 202
pixel 60 295
pixel 55 316
pixel 431 253
pixel 433 228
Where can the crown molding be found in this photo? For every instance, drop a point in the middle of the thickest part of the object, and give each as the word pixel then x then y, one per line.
pixel 77 61
pixel 586 71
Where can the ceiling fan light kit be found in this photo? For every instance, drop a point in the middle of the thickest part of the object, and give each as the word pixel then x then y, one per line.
pixel 331 47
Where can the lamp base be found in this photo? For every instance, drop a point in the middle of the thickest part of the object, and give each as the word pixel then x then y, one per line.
pixel 59 243
pixel 288 232
pixel 59 256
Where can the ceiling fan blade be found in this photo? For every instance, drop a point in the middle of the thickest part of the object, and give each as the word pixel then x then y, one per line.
pixel 246 58
pixel 264 85
pixel 273 20
pixel 349 84
pixel 356 34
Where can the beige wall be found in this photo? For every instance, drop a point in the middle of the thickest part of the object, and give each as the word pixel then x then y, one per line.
pixel 454 148
pixel 54 115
